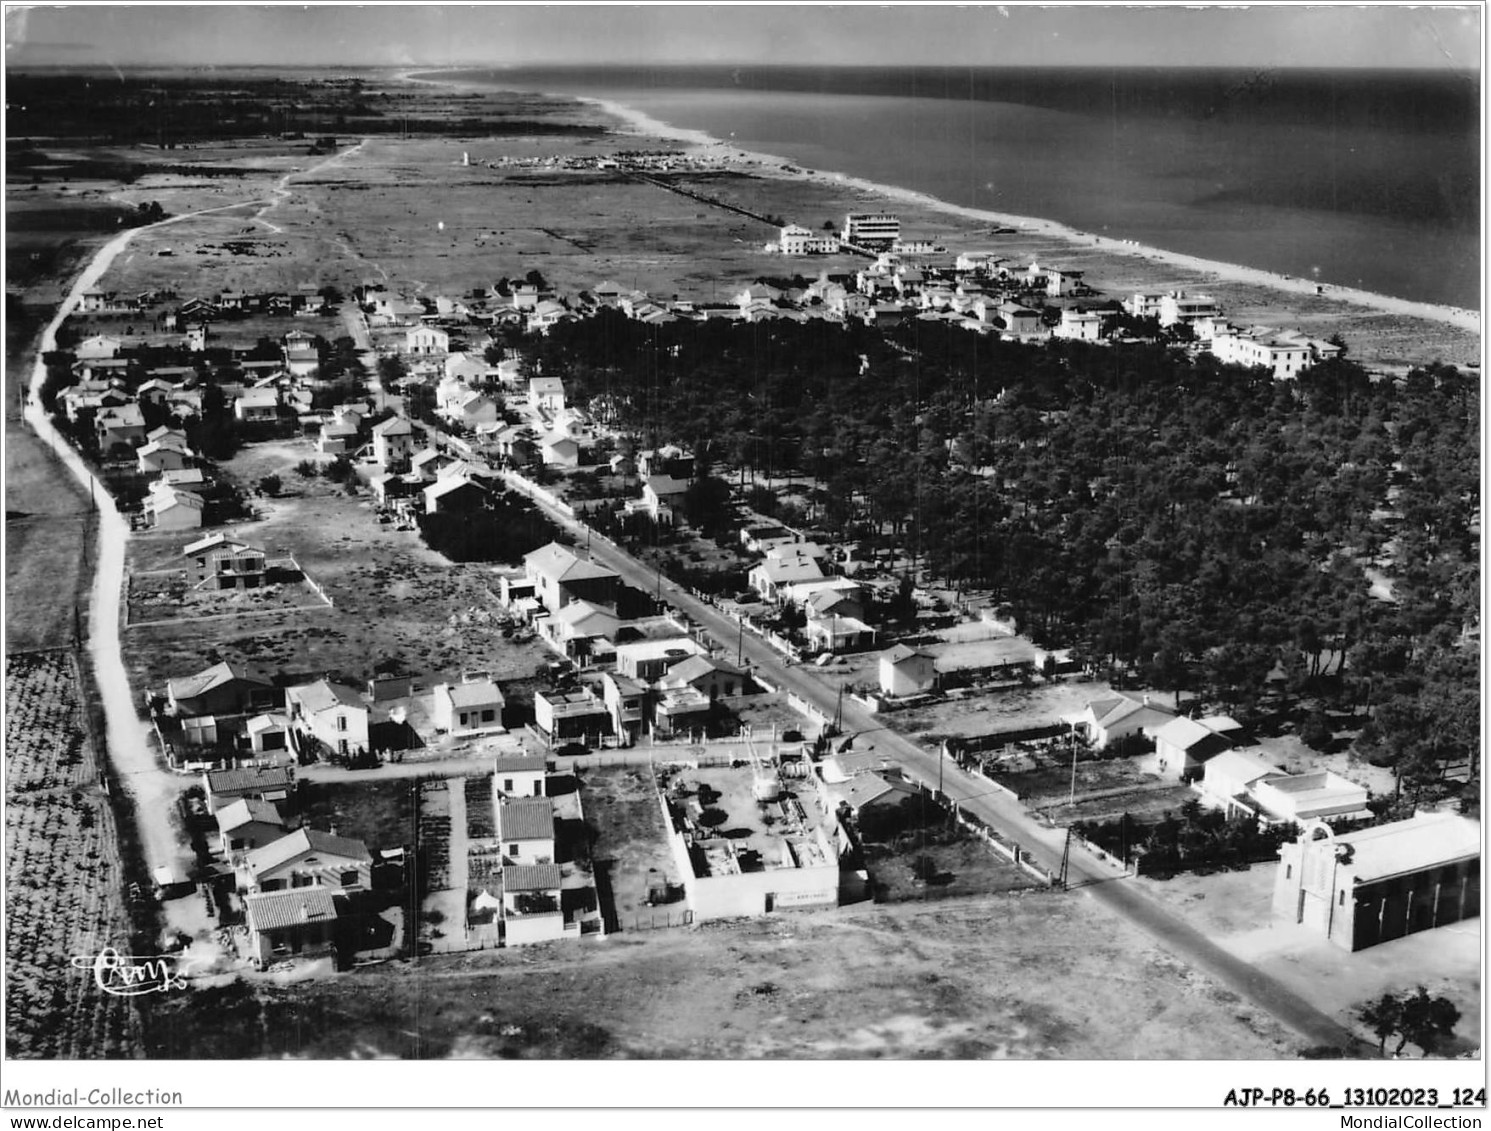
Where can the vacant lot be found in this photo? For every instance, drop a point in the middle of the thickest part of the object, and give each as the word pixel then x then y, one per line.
pixel 167 595
pixel 395 600
pixel 378 813
pixel 1015 976
pixel 1019 707
pixel 942 862
pixel 630 848
pixel 1103 789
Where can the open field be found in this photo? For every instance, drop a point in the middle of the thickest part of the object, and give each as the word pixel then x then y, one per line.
pixel 1233 909
pixel 1014 976
pixel 47 525
pixel 45 577
pixel 64 878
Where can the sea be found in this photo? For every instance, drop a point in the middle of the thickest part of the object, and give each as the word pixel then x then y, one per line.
pixel 1359 178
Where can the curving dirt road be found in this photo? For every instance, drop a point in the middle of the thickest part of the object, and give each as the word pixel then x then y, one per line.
pixel 153 788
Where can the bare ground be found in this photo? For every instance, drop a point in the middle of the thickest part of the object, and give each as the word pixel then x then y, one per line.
pixel 394 598
pixel 1022 976
pixel 1234 910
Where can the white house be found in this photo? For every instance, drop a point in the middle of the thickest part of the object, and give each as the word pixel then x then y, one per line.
pixel 330 712
pixel 771 577
pixel 1177 306
pixel 426 340
pixel 258 406
pixel 907 671
pixel 794 239
pixel 157 457
pixel 1230 775
pixel 1106 720
pixel 1182 746
pixel 546 394
pixel 1081 326
pixel 470 707
pixel 393 441
pixel 525 828
pixel 172 508
pixel 519 775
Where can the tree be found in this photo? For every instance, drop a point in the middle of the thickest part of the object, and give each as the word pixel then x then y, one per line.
pixel 270 485
pixel 1316 732
pixel 1382 1017
pixel 391 369
pixel 1415 1017
pixel 1426 1021
pixel 706 504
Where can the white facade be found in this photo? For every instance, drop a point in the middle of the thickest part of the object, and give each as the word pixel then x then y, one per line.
pixel 797 240
pixel 1177 306
pixel 872 228
pixel 425 340
pixel 1079 326
pixel 1283 357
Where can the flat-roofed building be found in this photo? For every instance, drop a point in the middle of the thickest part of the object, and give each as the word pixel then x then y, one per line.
pixel 872 229
pixel 570 716
pixel 1362 888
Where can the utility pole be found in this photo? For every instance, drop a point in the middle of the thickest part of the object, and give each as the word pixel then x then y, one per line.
pixel 740 642
pixel 1066 859
pixel 1071 741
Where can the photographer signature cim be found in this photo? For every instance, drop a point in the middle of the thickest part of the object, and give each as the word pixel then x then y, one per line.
pixel 131 975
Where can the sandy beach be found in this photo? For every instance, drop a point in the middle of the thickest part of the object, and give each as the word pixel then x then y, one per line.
pixel 703 145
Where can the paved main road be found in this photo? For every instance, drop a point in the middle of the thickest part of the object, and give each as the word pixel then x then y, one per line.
pixel 1003 813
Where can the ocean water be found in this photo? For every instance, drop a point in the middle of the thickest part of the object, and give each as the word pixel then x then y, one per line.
pixel 1362 179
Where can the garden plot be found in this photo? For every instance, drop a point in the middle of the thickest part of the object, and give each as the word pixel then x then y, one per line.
pixel 64 878
pixel 441 860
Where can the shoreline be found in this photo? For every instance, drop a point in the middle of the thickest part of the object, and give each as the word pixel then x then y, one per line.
pixel 638 123
pixel 642 124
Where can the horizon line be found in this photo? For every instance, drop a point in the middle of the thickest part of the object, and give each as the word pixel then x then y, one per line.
pixel 78 65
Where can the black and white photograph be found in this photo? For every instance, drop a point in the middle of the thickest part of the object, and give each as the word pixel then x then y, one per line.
pixel 823 535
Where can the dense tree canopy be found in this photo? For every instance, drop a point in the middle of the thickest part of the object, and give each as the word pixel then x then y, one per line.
pixel 1202 524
